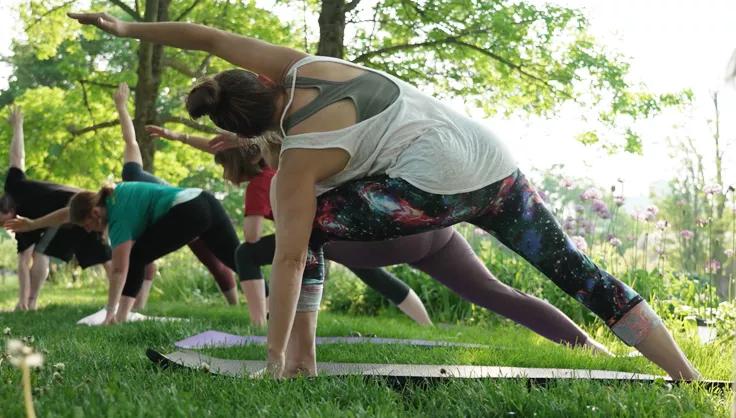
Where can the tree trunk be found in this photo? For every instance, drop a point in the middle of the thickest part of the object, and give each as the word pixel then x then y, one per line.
pixel 331 28
pixel 149 80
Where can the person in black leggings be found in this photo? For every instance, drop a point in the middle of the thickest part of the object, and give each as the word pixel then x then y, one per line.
pixel 146 221
pixel 133 171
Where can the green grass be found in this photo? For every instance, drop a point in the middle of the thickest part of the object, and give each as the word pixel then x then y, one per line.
pixel 107 374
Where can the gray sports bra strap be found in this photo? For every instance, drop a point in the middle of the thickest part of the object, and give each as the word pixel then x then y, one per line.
pixel 370 92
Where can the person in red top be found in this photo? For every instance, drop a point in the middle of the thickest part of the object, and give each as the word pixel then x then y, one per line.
pixel 258 250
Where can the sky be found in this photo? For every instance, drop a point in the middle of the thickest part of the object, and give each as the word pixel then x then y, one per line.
pixel 670 44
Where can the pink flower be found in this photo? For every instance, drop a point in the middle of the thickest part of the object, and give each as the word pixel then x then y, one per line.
pixel 590 194
pixel 713 189
pixel 728 253
pixel 653 210
pixel 662 225
pixel 579 208
pixel 598 205
pixel 569 224
pixel 618 200
pixel 615 242
pixel 567 183
pixel 713 266
pixel 580 243
pixel 687 234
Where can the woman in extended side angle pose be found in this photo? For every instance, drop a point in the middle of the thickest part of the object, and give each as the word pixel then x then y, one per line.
pixel 25 197
pixel 258 251
pixel 366 156
pixel 443 254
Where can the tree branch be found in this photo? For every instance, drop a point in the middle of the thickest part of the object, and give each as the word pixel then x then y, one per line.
pixel 100 84
pixel 203 66
pixel 515 66
pixel 456 41
pixel 178 66
pixel 352 5
pixel 187 11
pixel 127 9
pixel 86 101
pixel 81 131
pixel 48 12
pixel 188 122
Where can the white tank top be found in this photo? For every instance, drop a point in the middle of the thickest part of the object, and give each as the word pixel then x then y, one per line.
pixel 417 138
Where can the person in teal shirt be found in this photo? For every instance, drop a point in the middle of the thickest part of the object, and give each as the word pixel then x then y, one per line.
pixel 146 221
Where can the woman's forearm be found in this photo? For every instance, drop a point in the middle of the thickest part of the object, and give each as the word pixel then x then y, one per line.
pixel 197 142
pixel 56 218
pixel 117 281
pixel 175 34
pixel 285 286
pixel 126 123
pixel 17 147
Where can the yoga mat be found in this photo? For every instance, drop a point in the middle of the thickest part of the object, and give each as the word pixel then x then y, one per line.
pixel 98 317
pixel 221 339
pixel 407 372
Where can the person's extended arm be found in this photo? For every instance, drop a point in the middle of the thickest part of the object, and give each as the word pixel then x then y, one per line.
pixel 21 224
pixel 249 53
pixel 132 151
pixel 17 148
pixel 120 261
pixel 197 142
pixel 294 218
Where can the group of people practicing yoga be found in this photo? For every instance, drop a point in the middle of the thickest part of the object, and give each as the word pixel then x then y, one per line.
pixel 353 165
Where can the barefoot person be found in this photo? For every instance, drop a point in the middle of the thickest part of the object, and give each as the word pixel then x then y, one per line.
pixel 33 199
pixel 133 171
pixel 366 156
pixel 443 254
pixel 258 251
pixel 146 221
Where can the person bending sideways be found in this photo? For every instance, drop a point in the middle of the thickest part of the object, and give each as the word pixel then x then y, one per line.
pixel 256 251
pixel 144 222
pixel 366 156
pixel 24 197
pixel 443 254
pixel 133 171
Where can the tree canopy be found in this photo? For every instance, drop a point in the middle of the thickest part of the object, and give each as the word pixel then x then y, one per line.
pixel 500 55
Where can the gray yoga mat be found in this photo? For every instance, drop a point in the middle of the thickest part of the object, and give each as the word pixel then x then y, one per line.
pixel 407 372
pixel 209 339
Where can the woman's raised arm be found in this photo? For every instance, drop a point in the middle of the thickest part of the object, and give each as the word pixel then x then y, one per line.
pixel 249 53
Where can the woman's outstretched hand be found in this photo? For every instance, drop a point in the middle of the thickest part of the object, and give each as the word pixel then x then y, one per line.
pixel 19 224
pixel 121 94
pixel 103 21
pixel 159 132
pixel 225 140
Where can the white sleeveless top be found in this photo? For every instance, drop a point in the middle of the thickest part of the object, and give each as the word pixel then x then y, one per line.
pixel 417 138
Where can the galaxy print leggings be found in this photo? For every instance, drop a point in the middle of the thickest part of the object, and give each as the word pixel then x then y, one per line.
pixel 380 208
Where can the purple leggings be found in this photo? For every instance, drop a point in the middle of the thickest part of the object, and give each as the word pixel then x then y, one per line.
pixel 446 256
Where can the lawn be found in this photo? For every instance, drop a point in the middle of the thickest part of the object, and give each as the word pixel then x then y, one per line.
pixel 106 373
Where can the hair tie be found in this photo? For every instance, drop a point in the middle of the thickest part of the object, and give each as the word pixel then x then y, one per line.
pixel 265 80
